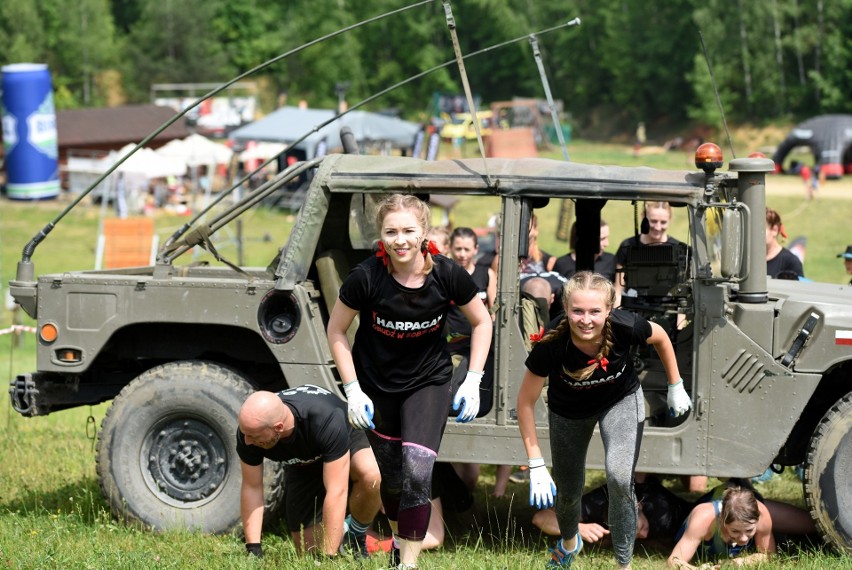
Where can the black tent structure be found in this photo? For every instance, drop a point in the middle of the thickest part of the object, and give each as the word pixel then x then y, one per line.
pixel 829 138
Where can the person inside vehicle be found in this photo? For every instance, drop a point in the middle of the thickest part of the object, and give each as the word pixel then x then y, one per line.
pixel 305 428
pixel 464 247
pixel 658 216
pixel 440 236
pixel 604 261
pixel 736 526
pixel 781 263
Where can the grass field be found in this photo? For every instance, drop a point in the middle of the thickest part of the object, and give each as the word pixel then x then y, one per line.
pixel 52 514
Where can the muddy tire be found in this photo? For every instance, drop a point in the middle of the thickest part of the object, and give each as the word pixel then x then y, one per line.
pixel 166 454
pixel 828 475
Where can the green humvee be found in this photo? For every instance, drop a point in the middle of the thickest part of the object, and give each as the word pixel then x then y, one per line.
pixel 177 348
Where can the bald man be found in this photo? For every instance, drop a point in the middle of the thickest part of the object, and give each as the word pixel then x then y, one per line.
pixel 306 429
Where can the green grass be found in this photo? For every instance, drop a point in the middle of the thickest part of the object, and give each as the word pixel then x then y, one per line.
pixel 52 514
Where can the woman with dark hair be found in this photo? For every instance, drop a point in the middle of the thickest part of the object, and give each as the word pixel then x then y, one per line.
pixel 592 381
pixel 781 263
pixel 399 366
pixel 725 528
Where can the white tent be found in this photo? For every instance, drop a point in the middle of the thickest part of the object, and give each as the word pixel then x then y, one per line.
pixel 197 150
pixel 146 162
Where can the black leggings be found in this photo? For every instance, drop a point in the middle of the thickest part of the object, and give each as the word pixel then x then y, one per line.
pixel 409 428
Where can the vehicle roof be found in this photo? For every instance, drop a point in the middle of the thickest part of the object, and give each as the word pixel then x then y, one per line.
pixel 534 177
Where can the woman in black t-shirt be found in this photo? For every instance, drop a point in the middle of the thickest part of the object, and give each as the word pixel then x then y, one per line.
pixel 781 263
pixel 399 366
pixel 587 361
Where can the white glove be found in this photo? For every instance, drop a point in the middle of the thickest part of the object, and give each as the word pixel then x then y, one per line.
pixel 360 406
pixel 678 400
pixel 469 392
pixel 542 487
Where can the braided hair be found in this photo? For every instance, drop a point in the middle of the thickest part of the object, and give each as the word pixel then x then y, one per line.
pixel 400 202
pixel 586 281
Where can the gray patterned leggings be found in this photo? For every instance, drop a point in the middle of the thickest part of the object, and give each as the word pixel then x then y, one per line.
pixel 621 430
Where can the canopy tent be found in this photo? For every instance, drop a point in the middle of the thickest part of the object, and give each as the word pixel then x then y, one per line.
pixel 829 138
pixel 145 162
pixel 197 150
pixel 288 124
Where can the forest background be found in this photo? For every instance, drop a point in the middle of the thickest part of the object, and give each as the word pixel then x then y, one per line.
pixel 775 61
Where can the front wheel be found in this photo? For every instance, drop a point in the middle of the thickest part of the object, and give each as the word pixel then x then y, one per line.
pixel 828 475
pixel 166 453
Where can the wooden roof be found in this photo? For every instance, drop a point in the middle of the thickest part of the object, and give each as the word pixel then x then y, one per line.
pixel 116 126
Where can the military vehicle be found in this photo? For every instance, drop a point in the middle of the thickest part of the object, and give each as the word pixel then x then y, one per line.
pixel 177 347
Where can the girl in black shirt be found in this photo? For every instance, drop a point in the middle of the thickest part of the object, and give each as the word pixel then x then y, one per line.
pixel 399 366
pixel 591 381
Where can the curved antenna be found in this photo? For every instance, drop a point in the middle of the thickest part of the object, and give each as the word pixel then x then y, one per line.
pixel 29 249
pixel 716 91
pixel 222 195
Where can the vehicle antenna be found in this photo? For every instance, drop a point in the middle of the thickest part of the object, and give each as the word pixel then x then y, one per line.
pixel 716 91
pixel 541 71
pixel 222 195
pixel 29 249
pixel 451 25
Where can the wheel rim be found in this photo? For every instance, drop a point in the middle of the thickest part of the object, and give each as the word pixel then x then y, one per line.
pixel 185 461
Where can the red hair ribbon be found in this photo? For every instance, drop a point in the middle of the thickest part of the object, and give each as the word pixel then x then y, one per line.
pixel 431 248
pixel 382 254
pixel 781 231
pixel 602 363
pixel 535 337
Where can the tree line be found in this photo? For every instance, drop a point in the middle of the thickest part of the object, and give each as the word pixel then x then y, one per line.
pixel 629 60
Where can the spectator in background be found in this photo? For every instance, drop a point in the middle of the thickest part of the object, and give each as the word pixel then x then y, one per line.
pixel 604 262
pixel 781 263
pixel 805 173
pixel 847 260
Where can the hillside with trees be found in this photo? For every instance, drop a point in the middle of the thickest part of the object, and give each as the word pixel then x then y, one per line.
pixel 630 60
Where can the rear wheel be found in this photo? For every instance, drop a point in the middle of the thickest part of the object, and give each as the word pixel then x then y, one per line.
pixel 167 449
pixel 828 475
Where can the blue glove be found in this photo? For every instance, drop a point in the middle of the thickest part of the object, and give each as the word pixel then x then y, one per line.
pixel 678 400
pixel 360 406
pixel 542 487
pixel 469 393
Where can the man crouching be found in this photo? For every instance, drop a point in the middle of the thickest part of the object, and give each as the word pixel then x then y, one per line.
pixel 306 429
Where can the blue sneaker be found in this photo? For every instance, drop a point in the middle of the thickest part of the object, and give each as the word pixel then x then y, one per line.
pixel 561 558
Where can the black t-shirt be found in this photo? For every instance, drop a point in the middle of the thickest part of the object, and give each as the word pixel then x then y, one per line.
pixel 458 327
pixel 604 264
pixel 400 343
pixel 321 430
pixel 785 265
pixel 585 398
pixel 621 253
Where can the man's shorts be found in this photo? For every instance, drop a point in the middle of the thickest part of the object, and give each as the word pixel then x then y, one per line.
pixel 304 490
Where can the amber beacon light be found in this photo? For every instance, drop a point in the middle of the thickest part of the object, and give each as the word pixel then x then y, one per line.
pixel 708 157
